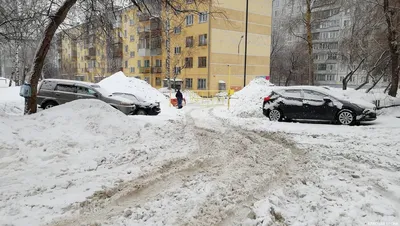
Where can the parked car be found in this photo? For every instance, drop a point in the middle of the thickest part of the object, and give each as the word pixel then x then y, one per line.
pixel 316 103
pixel 142 107
pixel 53 92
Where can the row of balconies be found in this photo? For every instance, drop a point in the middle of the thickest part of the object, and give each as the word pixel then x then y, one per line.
pixel 148 70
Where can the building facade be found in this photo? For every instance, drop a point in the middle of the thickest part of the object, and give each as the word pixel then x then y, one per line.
pixel 206 46
pixel 330 25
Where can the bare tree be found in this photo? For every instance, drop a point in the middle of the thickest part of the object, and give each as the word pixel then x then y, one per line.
pixel 392 17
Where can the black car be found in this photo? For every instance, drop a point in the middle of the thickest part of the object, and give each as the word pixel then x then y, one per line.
pixel 142 107
pixel 316 103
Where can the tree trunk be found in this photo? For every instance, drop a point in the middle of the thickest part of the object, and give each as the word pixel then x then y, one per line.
pixel 309 44
pixel 350 75
pixel 364 83
pixel 387 87
pixel 375 83
pixel 41 52
pixel 391 15
pixel 287 82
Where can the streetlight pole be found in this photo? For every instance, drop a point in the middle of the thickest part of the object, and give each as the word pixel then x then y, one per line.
pixel 245 43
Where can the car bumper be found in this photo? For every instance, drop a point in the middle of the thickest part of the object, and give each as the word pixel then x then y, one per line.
pixel 154 111
pixel 127 110
pixel 367 116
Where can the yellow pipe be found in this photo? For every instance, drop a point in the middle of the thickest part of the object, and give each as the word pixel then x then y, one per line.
pixel 229 86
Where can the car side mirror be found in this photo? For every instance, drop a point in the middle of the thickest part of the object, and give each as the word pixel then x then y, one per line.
pixel 327 99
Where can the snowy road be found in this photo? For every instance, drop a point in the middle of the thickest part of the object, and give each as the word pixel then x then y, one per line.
pixel 214 185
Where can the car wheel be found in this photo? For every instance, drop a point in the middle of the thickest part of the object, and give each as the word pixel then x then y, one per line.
pixel 275 115
pixel 346 117
pixel 141 112
pixel 49 104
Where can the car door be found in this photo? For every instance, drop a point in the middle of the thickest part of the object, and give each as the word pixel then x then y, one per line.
pixel 316 107
pixel 85 92
pixel 65 93
pixel 292 103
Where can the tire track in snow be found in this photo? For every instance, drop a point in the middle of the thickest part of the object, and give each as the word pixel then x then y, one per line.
pixel 215 185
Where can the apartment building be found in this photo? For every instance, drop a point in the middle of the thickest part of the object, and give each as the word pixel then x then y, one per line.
pixel 330 23
pixel 204 45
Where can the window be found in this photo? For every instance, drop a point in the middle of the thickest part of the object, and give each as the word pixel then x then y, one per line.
pixel 189 1
pixel 125 34
pixel 321 78
pixel 188 83
pixel 202 62
pixel 177 70
pixel 313 95
pixel 321 67
pixel 292 93
pixel 126 48
pixel 346 23
pixel 201 83
pixel 132 38
pixel 132 54
pixel 189 62
pixel 65 88
pixel 177 30
pixel 330 77
pixel 331 67
pixel 131 22
pixel 189 20
pixel 146 63
pixel 126 64
pixel 132 70
pixel 189 41
pixel 221 86
pixel 158 63
pixel 87 91
pixel 126 18
pixel 139 63
pixel 332 56
pixel 203 40
pixel 203 17
pixel 158 81
pixel 177 50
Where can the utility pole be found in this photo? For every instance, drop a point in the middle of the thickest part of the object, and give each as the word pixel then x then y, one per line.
pixel 167 47
pixel 245 43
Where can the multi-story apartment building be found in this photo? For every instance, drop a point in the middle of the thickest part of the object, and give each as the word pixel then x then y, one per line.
pixel 329 25
pixel 204 45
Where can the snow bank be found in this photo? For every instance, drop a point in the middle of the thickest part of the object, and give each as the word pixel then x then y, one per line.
pixel 5 82
pixel 55 158
pixel 118 82
pixel 10 101
pixel 248 101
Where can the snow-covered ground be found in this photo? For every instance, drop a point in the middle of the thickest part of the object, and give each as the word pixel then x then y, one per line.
pixel 10 101
pixel 349 175
pixel 85 163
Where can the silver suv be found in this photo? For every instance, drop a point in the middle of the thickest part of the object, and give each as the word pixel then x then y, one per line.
pixel 53 92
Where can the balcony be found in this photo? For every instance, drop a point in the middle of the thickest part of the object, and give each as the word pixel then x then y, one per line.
pixel 143 29
pixel 156 70
pixel 144 70
pixel 143 17
pixel 149 52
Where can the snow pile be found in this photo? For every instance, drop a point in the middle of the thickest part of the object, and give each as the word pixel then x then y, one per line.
pixel 118 82
pixel 5 82
pixel 62 155
pixel 371 97
pixel 248 101
pixel 10 101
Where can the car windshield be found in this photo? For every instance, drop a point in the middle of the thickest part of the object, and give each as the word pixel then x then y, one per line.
pixel 101 90
pixel 128 96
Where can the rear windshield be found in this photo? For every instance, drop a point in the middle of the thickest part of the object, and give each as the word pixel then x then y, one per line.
pixel 47 85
